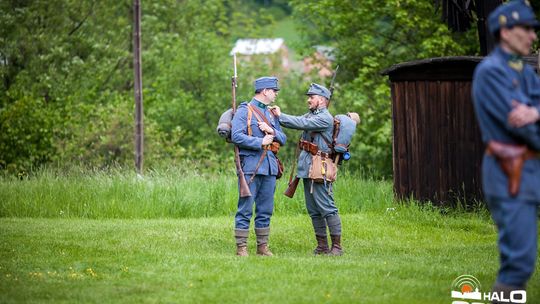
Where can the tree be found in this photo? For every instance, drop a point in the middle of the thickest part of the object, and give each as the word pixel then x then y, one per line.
pixel 69 64
pixel 370 36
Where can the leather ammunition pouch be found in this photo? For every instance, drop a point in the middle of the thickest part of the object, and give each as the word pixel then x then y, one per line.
pixel 274 147
pixel 511 159
pixel 308 147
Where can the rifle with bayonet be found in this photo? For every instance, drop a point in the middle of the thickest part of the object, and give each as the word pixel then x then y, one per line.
pixel 293 183
pixel 244 188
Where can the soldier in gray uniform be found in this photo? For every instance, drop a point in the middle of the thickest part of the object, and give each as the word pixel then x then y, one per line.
pixel 254 137
pixel 318 125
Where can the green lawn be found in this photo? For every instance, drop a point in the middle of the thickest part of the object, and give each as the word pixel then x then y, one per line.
pixel 400 256
pixel 101 237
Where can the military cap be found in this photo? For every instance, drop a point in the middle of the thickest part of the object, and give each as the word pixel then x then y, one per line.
pixel 517 12
pixel 266 83
pixel 317 89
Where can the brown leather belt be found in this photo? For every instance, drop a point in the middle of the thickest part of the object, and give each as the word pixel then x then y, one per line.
pixel 312 148
pixel 514 150
pixel 308 146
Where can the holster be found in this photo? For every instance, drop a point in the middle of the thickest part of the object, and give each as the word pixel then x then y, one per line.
pixel 511 159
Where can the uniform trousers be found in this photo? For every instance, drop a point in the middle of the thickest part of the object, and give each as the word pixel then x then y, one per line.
pixel 319 202
pixel 516 221
pixel 262 190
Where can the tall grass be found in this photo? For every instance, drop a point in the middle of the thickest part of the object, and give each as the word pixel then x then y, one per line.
pixel 172 193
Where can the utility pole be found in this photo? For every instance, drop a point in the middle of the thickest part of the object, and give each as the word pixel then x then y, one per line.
pixel 483 9
pixel 137 83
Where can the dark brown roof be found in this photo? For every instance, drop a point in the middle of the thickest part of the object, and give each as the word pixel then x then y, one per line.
pixel 439 68
pixel 431 61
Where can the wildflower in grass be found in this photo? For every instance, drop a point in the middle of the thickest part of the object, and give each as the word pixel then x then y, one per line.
pixel 37 275
pixel 91 272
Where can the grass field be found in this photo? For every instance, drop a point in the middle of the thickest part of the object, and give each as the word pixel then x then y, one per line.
pixel 168 238
pixel 170 194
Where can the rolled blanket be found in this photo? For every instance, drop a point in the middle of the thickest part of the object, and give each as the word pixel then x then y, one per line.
pixel 224 124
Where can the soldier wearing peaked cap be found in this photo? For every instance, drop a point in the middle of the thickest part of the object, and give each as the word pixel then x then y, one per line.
pixel 506 95
pixel 318 125
pixel 255 132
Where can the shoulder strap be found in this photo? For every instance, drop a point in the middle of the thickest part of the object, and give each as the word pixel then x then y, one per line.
pixel 260 115
pixel 249 115
pixel 335 134
pixel 257 112
pixel 329 144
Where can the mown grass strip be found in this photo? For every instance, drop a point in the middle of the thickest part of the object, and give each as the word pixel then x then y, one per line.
pixel 391 257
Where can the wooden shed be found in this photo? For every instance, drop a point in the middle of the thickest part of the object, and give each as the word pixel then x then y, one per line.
pixel 437 148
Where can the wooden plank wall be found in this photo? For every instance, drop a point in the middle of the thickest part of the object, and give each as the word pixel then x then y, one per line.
pixel 437 144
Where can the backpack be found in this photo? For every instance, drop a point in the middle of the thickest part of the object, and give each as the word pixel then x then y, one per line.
pixel 344 128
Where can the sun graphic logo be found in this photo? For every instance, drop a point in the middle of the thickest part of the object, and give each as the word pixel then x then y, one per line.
pixel 466 287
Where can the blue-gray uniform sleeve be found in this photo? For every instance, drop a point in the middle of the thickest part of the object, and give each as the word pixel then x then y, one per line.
pixel 239 134
pixel 279 135
pixel 313 123
pixel 534 89
pixel 497 95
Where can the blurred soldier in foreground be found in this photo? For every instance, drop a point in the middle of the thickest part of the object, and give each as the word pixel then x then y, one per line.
pixel 506 94
pixel 315 144
pixel 258 137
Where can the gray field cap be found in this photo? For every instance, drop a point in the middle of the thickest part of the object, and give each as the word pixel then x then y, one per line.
pixel 317 89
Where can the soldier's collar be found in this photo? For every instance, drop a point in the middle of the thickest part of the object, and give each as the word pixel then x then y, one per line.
pixel 317 111
pixel 259 104
pixel 514 61
pixel 516 64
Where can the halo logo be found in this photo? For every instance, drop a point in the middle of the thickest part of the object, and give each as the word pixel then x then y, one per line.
pixel 467 288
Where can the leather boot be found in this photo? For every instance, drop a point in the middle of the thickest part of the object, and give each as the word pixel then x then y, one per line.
pixel 241 236
pixel 241 251
pixel 336 245
pixel 263 250
pixel 322 245
pixel 262 241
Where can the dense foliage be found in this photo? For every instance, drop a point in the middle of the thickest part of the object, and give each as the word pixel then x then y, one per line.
pixel 370 36
pixel 67 79
pixel 66 95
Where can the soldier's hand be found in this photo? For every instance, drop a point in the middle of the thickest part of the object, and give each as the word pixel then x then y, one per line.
pixel 522 115
pixel 267 139
pixel 266 128
pixel 276 111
